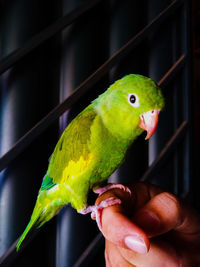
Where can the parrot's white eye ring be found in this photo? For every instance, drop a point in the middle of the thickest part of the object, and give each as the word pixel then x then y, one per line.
pixel 133 100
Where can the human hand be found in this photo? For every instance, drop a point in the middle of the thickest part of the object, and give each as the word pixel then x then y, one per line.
pixel 150 229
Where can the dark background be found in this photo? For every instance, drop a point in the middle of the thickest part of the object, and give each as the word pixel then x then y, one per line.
pixel 34 84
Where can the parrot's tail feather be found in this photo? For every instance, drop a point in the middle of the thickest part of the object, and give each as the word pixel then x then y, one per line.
pixel 32 226
pixel 39 217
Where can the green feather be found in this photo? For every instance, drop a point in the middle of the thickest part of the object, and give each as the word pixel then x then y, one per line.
pixel 47 183
pixel 74 143
pixel 92 146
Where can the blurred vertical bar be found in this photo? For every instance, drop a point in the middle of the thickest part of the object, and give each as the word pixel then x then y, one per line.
pixel 195 118
pixel 178 117
pixel 160 60
pixel 84 49
pixel 27 94
pixel 127 19
pixel 186 100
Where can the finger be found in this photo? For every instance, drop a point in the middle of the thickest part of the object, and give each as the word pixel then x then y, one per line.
pixel 160 254
pixel 119 229
pixel 165 212
pixel 142 193
pixel 113 256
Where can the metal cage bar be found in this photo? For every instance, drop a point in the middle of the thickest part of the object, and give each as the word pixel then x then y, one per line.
pixel 158 163
pixel 17 55
pixel 86 85
pixel 169 76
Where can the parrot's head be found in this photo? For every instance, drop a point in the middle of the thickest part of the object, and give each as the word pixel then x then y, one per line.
pixel 131 105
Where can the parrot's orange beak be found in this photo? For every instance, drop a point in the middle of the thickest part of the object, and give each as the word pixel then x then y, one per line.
pixel 149 121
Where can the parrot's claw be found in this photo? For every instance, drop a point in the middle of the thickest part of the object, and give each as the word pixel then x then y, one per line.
pixel 102 190
pixel 97 209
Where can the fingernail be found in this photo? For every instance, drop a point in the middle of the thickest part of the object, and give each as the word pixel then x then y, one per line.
pixel 136 244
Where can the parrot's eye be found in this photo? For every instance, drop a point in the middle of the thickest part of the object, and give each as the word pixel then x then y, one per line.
pixel 133 100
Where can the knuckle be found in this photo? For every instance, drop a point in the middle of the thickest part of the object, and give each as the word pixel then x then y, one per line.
pixel 172 205
pixel 171 200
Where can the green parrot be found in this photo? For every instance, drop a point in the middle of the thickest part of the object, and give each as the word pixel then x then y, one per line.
pixel 94 145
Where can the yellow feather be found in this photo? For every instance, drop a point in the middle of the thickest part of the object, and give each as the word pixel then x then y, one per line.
pixel 75 169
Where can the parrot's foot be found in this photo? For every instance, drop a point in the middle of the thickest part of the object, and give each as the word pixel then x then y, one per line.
pixel 97 209
pixel 102 190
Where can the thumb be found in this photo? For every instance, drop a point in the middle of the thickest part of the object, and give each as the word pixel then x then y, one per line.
pixel 165 212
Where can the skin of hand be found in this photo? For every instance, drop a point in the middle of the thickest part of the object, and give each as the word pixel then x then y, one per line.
pixel 151 228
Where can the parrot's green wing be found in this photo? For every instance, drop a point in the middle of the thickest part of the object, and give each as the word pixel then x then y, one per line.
pixel 72 146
